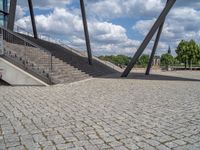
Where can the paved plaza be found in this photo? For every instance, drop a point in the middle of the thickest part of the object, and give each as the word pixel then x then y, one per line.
pixel 157 112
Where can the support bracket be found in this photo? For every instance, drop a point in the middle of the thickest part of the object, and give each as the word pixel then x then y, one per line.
pixel 148 38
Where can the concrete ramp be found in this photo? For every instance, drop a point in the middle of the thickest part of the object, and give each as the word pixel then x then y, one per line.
pixel 16 76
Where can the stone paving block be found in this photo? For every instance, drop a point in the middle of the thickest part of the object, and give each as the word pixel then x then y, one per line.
pixel 171 144
pixel 103 146
pixel 162 147
pixel 12 144
pixel 39 137
pixel 179 142
pixel 163 139
pixel 115 144
pixel 2 146
pixel 31 145
pixel 97 141
pixel 120 148
pixel 110 114
pixel 145 146
pixel 65 146
pixel 134 147
pixel 77 148
pixel 49 148
pixel 17 148
pixel 81 143
pixel 152 142
pixel 93 136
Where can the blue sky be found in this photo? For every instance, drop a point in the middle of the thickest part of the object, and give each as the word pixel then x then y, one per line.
pixel 115 26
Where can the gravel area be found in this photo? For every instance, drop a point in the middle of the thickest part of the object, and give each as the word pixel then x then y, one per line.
pixel 161 111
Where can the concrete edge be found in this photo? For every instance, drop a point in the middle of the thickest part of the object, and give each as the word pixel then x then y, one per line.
pixel 31 76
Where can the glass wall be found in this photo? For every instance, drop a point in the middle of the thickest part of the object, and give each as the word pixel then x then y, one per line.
pixel 4 9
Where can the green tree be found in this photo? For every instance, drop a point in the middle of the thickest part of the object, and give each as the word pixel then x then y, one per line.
pixel 193 49
pixel 188 52
pixel 182 52
pixel 143 60
pixel 167 60
pixel 119 60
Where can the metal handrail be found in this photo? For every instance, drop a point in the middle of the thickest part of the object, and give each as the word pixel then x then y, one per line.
pixel 74 50
pixel 26 40
pixel 27 54
pixel 50 40
pixel 109 64
pixel 45 36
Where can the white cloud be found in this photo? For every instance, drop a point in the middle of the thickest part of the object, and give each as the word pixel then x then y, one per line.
pixel 182 23
pixel 105 36
pixel 143 26
pixel 119 8
pixel 44 4
pixel 65 22
pixel 19 12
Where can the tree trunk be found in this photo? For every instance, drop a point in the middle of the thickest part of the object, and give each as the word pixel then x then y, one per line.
pixel 190 63
pixel 185 65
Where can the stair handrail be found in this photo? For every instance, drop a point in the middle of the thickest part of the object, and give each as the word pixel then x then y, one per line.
pixel 48 39
pixel 82 54
pixel 74 50
pixel 24 39
pixel 10 37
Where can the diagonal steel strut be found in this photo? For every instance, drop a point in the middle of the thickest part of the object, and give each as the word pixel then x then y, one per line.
pixel 155 47
pixel 87 37
pixel 12 12
pixel 32 19
pixel 149 36
pixel 11 16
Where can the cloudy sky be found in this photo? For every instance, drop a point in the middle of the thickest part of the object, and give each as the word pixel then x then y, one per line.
pixel 115 26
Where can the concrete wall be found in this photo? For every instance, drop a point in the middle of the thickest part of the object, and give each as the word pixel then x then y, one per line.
pixel 16 76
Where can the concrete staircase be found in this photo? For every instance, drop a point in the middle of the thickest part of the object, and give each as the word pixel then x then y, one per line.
pixel 61 71
pixel 49 62
pixel 74 59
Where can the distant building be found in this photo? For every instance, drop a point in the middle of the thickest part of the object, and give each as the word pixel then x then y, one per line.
pixel 156 61
pixel 169 50
pixel 3 12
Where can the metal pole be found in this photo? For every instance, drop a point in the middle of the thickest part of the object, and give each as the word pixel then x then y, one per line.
pixel 87 37
pixel 32 19
pixel 155 47
pixel 11 17
pixel 149 36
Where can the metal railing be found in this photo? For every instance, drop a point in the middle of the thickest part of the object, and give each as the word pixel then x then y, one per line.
pixel 27 54
pixel 69 46
pixel 49 38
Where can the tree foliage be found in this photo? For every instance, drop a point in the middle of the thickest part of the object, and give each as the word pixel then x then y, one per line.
pixel 143 60
pixel 122 60
pixel 119 60
pixel 188 52
pixel 167 60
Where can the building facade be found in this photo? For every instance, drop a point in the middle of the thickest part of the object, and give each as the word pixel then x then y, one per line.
pixel 3 12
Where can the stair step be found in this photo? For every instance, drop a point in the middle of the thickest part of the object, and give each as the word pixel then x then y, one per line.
pixel 71 75
pixel 67 66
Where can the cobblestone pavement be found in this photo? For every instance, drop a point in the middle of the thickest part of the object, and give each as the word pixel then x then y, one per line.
pixel 118 114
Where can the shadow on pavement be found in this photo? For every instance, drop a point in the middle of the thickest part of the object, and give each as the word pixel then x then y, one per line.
pixel 142 76
pixel 3 83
